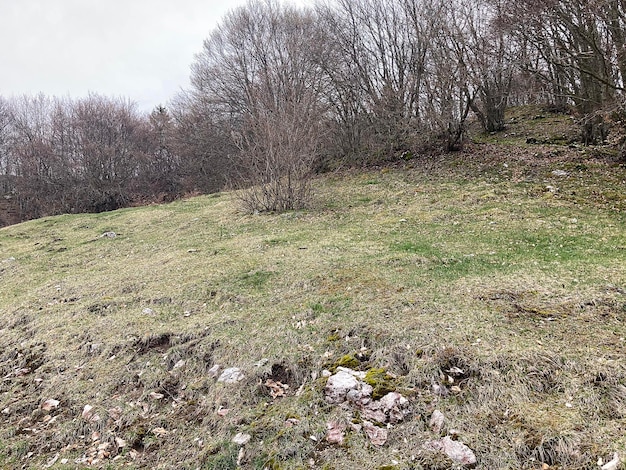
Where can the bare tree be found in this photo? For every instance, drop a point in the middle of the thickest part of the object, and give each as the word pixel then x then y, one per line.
pixel 202 141
pixel 159 166
pixel 580 52
pixel 486 51
pixel 6 167
pixel 376 67
pixel 256 73
pixel 107 135
pixel 60 155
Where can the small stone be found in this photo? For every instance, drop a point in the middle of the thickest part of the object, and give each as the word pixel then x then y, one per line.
pixel 440 390
pixel 160 432
pixel 613 464
pixel 393 400
pixel 242 439
pixel 231 375
pixel 436 421
pixel 213 371
pixel 115 413
pixel 87 412
pixel 335 433
pixel 357 374
pixel 50 404
pixel 377 436
pixel 373 412
pixel 360 396
pixel 455 450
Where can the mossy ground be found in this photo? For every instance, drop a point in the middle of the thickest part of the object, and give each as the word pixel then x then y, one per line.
pixel 481 271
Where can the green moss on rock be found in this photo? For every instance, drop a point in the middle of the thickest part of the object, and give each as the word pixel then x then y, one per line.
pixel 381 381
pixel 349 361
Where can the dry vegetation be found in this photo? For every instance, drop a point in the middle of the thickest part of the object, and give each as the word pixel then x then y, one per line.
pixel 485 262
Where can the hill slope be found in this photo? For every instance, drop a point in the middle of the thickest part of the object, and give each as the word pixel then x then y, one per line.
pixel 485 286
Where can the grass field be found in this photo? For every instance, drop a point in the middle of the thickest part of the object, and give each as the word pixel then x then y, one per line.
pixel 483 274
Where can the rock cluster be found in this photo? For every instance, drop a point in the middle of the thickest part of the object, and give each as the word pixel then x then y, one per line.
pixel 346 387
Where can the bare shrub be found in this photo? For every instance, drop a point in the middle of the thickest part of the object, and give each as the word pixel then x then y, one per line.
pixel 276 158
pixel 256 76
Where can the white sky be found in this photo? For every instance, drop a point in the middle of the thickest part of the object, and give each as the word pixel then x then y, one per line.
pixel 140 49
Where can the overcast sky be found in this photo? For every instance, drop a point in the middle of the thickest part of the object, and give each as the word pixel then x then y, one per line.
pixel 140 49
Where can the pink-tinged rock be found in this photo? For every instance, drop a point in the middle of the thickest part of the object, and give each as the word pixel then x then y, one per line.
pixel 455 450
pixel 373 414
pixel 115 413
pixel 335 433
pixel 50 404
pixel 377 436
pixel 392 400
pixel 88 412
pixel 458 451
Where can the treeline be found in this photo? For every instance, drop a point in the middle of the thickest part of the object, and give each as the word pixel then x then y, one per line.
pixel 278 92
pixel 93 154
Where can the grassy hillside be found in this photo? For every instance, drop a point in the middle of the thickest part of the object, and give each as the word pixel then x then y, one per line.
pixel 489 285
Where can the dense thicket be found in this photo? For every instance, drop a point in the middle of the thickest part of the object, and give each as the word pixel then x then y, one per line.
pixel 278 92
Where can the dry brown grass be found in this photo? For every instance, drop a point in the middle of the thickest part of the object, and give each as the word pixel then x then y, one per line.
pixel 450 264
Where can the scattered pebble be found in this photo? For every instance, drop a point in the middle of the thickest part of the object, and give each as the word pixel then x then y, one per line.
pixel 231 375
pixel 50 404
pixel 436 421
pixel 213 371
pixel 242 439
